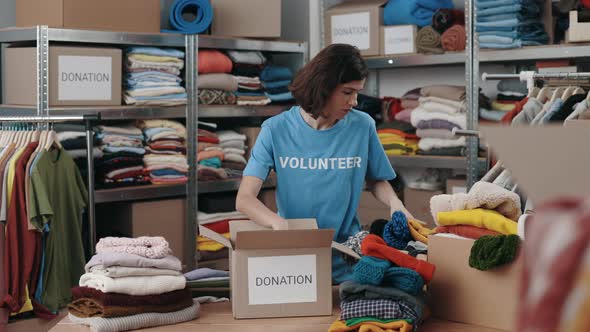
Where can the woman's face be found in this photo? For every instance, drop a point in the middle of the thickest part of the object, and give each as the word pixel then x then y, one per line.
pixel 342 100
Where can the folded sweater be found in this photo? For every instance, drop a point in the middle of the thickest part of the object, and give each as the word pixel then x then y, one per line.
pixel 107 259
pixel 147 285
pixel 487 219
pixel 150 247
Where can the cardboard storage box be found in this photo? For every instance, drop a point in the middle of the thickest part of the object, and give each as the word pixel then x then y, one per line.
pixel 357 23
pixel 371 209
pixel 418 203
pixel 398 39
pixel 247 18
pixel 113 15
pixel 279 273
pixel 251 136
pixel 78 76
pixel 467 295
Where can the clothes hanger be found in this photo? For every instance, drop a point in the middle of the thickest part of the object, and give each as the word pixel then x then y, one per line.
pixel 533 92
pixel 588 96
pixel 557 93
pixel 543 94
pixel 568 92
pixel 579 90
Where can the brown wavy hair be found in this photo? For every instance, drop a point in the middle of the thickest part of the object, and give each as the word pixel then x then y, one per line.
pixel 314 83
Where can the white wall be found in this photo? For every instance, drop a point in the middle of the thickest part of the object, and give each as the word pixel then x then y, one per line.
pixel 7 13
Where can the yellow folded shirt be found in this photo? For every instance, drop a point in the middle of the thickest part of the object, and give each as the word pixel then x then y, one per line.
pixel 487 219
pixel 496 106
pixel 206 244
pixel 397 326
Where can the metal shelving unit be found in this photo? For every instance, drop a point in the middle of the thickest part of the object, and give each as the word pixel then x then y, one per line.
pixel 169 191
pixel 293 54
pixel 525 54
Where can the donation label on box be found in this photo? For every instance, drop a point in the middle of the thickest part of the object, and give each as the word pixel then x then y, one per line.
pixel 84 77
pixel 282 279
pixel 353 29
pixel 399 39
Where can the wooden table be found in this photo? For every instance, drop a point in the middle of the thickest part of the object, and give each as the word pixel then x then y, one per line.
pixel 217 317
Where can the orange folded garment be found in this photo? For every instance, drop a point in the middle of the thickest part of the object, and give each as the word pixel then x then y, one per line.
pixel 454 38
pixel 468 231
pixel 213 61
pixel 203 155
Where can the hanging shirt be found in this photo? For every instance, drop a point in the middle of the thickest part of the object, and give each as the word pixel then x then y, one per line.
pixel 321 173
pixel 59 195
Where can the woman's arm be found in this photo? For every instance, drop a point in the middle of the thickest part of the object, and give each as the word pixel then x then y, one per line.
pixel 383 191
pixel 248 203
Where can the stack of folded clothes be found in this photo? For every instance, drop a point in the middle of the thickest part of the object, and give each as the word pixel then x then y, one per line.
pixel 122 162
pixel 219 223
pixel 275 80
pixel 510 23
pixel 247 67
pixel 441 108
pixel 233 146
pixel 132 283
pixel 387 288
pixel 417 12
pixel 408 103
pixel 153 76
pixel 488 213
pixel 165 158
pixel 207 282
pixel 72 138
pixel 210 157
pixel 508 104
pixel 398 138
pixel 216 84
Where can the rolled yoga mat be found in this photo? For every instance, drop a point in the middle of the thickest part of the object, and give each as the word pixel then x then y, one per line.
pixel 200 8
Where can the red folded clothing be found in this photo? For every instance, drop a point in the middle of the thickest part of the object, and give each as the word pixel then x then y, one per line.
pixel 468 231
pixel 205 139
pixel 375 246
pixel 213 61
pixel 220 227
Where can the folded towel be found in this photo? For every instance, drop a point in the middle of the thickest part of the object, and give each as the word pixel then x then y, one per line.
pixel 107 259
pixel 428 41
pixel 429 143
pixel 219 81
pixel 147 285
pixel 157 58
pixel 150 247
pixel 213 61
pixel 453 39
pixel 156 51
pixel 272 73
pixel 98 324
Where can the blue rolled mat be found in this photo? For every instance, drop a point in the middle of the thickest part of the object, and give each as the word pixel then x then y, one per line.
pixel 202 10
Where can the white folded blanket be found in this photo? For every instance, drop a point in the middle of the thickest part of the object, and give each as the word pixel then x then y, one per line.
pixel 147 285
pixel 484 195
pixel 125 271
pixel 155 91
pixel 459 105
pixel 429 143
pixel 134 322
pixel 145 246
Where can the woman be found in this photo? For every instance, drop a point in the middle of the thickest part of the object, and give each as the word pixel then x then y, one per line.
pixel 322 152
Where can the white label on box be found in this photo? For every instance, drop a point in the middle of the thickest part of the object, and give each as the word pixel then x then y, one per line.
pixel 282 279
pixel 399 39
pixel 353 29
pixel 85 77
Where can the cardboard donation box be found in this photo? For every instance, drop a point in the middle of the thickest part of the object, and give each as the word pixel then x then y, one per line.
pixel 279 273
pixel 78 76
pixel 246 18
pixel 112 15
pixel 463 294
pixel 356 23
pixel 398 39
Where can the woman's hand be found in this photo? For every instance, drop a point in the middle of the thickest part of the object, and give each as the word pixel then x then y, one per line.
pixel 397 205
pixel 280 225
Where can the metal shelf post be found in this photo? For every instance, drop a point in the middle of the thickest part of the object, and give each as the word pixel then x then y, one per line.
pixel 192 118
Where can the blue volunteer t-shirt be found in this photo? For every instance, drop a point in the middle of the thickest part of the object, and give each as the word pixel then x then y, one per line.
pixel 321 173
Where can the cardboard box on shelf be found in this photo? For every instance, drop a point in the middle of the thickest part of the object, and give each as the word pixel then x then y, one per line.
pixel 279 273
pixel 113 15
pixel 78 76
pixel 463 294
pixel 251 136
pixel 247 18
pixel 398 39
pixel 357 23
pixel 418 203
pixel 455 186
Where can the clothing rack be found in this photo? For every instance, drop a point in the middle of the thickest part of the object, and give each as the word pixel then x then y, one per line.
pixel 88 120
pixel 530 76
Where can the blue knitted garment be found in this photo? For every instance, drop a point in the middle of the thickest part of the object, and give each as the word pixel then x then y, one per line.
pixel 370 270
pixel 403 279
pixel 397 232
